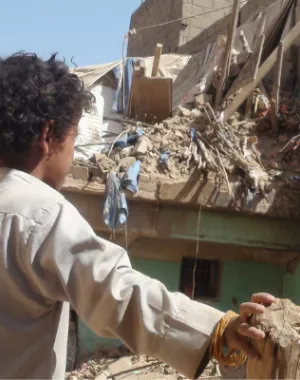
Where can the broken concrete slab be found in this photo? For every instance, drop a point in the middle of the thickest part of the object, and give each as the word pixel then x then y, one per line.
pixel 143 146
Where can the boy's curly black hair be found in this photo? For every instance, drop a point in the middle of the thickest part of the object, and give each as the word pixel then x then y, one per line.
pixel 33 92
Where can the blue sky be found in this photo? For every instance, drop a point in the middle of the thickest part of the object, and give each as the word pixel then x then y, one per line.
pixel 90 30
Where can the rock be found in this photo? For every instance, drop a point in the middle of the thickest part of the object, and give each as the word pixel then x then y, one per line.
pixel 280 349
pixel 179 134
pixel 184 111
pixel 143 146
pixel 201 99
pixel 168 370
pixel 104 163
pixel 168 124
pixel 176 120
pixel 125 164
pixel 126 151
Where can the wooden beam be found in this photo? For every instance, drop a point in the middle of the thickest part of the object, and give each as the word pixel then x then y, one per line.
pixel 156 61
pixel 262 72
pixel 276 89
pixel 228 52
pixel 250 69
pixel 249 106
pixel 297 19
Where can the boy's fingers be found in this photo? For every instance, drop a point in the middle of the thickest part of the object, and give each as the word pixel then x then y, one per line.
pixel 264 298
pixel 251 332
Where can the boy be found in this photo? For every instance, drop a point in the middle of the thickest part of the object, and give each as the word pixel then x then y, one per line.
pixel 50 256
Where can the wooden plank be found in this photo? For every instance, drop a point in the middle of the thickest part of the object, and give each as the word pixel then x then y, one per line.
pixel 249 106
pixel 297 19
pixel 150 99
pixel 156 61
pixel 276 89
pixel 276 33
pixel 228 52
pixel 250 68
pixel 262 72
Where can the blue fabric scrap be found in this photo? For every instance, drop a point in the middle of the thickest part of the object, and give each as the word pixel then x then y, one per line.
pixel 193 134
pixel 131 177
pixel 115 211
pixel 121 142
pixel 163 160
pixel 251 194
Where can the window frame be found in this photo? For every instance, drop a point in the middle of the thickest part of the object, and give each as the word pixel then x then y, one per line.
pixel 217 286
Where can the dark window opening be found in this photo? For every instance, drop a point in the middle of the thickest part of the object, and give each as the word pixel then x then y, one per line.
pixel 207 278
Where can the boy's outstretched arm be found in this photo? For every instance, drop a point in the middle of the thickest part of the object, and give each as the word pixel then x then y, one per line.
pixel 70 263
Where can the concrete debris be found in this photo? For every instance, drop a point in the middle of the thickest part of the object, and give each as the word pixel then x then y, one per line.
pixel 143 146
pixel 133 366
pixel 202 99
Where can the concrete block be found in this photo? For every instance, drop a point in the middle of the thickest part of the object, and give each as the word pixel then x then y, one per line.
pixel 80 173
pixel 118 366
pixel 202 99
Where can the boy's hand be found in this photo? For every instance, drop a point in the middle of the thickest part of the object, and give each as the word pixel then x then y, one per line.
pixel 238 330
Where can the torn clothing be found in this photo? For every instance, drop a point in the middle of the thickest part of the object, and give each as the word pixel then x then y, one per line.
pixel 51 257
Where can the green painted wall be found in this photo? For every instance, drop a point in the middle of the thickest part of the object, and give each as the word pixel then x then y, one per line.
pixel 166 272
pixel 239 280
pixel 291 286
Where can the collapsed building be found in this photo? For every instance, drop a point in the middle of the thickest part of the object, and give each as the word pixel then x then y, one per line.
pixel 190 161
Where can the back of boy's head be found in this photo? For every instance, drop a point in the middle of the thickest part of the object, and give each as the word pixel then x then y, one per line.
pixel 34 92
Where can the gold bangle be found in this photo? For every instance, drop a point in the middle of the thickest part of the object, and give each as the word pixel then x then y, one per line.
pixel 234 357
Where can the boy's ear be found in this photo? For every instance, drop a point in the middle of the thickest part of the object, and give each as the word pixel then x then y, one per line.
pixel 45 139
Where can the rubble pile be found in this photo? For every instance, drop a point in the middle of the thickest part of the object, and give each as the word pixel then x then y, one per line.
pixel 119 365
pixel 192 141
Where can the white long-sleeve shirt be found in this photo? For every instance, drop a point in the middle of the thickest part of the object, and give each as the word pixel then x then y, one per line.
pixel 50 257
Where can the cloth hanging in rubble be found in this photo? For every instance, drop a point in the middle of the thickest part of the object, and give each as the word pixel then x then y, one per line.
pixel 115 210
pixel 131 177
pixel 164 158
pixel 118 105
